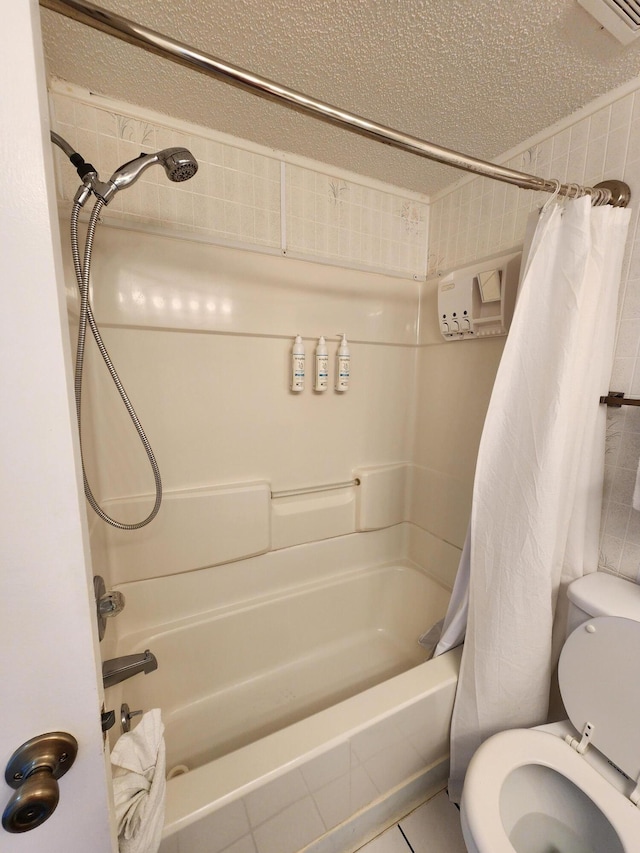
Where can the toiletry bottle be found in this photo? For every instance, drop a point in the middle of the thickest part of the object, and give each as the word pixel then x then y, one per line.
pixel 297 365
pixel 343 368
pixel 322 366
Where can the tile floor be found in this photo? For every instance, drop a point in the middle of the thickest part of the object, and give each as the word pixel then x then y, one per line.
pixel 434 827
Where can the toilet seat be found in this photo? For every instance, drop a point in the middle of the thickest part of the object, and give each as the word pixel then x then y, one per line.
pixel 599 678
pixel 503 753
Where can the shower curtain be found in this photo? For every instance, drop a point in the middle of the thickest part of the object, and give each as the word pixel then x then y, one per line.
pixel 537 492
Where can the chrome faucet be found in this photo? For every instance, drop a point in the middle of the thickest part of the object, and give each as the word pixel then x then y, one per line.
pixel 108 604
pixel 119 669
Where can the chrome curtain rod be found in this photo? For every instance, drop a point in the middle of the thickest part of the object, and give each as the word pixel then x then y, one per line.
pixel 101 19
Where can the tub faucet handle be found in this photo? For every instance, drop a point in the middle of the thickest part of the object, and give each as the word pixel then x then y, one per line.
pixel 108 604
pixel 111 603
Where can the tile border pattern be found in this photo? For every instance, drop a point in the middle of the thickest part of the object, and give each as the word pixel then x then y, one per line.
pixel 243 195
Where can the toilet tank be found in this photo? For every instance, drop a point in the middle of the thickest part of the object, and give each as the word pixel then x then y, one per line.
pixel 601 594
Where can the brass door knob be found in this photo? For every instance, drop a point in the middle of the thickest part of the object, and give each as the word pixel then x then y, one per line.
pixel 33 770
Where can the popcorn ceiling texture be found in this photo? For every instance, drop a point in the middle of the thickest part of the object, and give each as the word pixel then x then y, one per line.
pixel 476 77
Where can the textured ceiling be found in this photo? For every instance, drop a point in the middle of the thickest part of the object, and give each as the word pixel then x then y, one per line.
pixel 479 77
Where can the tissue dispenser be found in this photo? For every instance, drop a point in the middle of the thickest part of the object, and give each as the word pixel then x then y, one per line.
pixel 477 301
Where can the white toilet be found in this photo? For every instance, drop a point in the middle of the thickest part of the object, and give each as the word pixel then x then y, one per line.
pixel 574 786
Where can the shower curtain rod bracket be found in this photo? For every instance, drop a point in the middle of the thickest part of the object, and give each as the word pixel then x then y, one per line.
pixel 616 399
pixel 620 192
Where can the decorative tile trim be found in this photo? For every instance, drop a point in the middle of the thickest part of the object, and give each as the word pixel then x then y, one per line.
pixel 350 223
pixel 242 195
pixel 477 216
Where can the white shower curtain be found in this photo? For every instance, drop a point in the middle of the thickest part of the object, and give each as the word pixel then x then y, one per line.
pixel 537 492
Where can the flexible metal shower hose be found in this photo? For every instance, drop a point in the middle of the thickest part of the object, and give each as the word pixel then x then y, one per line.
pixel 82 271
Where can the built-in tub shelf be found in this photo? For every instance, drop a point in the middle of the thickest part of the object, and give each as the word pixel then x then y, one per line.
pixel 615 399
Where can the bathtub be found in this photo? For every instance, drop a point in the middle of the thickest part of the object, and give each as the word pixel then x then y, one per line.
pixel 300 715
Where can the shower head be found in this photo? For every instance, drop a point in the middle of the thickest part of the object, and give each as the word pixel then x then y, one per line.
pixel 179 164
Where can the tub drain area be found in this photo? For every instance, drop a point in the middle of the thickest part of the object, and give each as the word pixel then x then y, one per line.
pixel 178 770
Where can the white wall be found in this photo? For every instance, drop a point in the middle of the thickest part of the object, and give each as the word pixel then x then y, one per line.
pixel 49 672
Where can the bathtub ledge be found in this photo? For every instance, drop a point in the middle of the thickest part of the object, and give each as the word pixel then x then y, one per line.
pixel 195 795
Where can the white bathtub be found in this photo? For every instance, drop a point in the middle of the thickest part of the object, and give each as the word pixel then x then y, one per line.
pixel 303 709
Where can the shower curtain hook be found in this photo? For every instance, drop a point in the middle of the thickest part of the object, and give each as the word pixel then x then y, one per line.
pixel 600 196
pixel 574 191
pixel 553 197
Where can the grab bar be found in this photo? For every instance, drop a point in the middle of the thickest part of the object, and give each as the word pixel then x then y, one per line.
pixel 309 490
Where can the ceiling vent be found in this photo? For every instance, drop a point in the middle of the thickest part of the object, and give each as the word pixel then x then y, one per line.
pixel 620 17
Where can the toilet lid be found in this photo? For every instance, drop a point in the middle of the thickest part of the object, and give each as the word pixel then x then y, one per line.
pixel 599 676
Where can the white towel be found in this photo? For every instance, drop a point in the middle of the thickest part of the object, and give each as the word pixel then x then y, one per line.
pixel 139 785
pixel 636 492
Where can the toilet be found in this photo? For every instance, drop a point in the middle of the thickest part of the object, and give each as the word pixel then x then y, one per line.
pixel 573 786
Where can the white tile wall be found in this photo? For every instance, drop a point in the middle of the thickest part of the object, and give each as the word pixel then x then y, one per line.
pixel 477 217
pixel 234 196
pixel 237 197
pixel 340 221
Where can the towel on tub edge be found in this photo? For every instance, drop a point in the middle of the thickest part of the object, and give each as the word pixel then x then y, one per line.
pixel 139 785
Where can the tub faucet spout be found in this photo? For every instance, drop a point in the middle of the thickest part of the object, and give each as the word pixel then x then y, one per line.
pixel 119 669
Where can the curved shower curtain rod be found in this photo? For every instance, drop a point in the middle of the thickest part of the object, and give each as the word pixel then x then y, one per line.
pixel 101 19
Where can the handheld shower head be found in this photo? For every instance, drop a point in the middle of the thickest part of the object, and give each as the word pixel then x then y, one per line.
pixel 178 163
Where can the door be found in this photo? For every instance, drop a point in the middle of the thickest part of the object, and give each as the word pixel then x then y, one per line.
pixel 48 654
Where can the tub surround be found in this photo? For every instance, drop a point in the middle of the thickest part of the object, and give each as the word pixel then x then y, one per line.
pixel 201 329
pixel 201 334
pixel 206 527
pixel 211 353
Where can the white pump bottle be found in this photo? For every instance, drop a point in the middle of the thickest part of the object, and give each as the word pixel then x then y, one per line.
pixel 297 365
pixel 322 366
pixel 343 365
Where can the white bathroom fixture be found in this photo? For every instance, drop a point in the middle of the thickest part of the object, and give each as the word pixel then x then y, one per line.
pixel 619 17
pixel 478 300
pixel 573 785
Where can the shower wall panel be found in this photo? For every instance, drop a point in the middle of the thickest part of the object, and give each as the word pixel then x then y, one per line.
pixel 200 288
pixel 202 338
